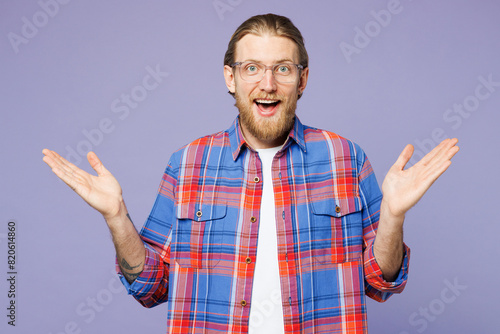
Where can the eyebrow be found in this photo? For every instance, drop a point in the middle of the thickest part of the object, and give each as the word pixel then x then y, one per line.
pixel 279 61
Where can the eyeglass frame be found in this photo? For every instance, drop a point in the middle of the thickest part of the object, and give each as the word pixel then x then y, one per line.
pixel 266 67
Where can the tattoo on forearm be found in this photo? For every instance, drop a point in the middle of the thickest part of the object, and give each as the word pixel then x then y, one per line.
pixel 131 277
pixel 126 267
pixel 124 264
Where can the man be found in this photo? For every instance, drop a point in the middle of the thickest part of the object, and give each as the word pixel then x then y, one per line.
pixel 270 226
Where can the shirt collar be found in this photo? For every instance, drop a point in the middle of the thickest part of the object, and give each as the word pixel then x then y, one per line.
pixel 238 142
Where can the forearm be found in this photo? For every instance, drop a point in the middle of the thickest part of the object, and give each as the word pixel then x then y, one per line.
pixel 388 246
pixel 129 247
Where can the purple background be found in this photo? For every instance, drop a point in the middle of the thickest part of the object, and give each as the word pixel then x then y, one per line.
pixel 396 90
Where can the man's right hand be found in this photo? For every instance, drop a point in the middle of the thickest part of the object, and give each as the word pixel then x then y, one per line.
pixel 102 192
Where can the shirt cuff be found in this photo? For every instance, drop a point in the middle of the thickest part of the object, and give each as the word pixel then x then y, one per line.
pixel 374 276
pixel 149 274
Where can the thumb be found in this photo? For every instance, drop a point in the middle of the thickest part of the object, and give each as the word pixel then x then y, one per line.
pixel 96 164
pixel 404 157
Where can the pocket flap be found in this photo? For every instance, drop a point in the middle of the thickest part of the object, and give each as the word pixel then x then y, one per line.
pixel 337 207
pixel 201 212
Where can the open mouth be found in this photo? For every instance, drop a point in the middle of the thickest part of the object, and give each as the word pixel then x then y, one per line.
pixel 267 107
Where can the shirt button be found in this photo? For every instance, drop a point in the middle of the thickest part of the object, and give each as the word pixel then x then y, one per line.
pixel 253 219
pixel 248 260
pixel 337 209
pixel 256 179
pixel 199 214
pixel 243 303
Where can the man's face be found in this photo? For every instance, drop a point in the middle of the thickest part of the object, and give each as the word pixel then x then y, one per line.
pixel 267 108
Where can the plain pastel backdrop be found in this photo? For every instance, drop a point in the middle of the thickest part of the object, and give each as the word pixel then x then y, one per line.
pixel 136 80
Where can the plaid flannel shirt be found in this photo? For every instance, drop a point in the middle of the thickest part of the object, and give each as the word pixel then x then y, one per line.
pixel 201 235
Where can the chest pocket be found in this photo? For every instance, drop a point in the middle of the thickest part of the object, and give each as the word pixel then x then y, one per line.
pixel 337 230
pixel 197 237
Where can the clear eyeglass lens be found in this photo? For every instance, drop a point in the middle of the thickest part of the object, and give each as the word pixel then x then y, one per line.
pixel 254 72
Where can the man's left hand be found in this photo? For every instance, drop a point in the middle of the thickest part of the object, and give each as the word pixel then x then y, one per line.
pixel 403 188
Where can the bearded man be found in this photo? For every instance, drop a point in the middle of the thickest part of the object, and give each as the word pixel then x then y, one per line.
pixel 270 226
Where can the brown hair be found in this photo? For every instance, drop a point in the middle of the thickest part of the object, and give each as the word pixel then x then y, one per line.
pixel 271 24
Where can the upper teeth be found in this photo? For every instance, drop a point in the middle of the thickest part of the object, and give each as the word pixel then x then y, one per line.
pixel 266 101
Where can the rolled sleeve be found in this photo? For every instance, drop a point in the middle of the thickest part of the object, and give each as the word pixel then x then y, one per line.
pixel 150 288
pixel 377 287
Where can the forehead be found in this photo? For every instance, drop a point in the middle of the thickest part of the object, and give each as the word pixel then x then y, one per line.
pixel 267 49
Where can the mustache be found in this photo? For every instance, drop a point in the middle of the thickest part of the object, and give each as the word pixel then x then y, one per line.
pixel 267 97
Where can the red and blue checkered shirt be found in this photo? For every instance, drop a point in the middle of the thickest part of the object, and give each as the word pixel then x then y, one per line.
pixel 202 234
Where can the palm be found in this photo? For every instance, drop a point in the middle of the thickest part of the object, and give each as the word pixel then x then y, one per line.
pixel 402 188
pixel 102 192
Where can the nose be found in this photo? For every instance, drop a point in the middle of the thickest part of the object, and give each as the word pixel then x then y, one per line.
pixel 268 82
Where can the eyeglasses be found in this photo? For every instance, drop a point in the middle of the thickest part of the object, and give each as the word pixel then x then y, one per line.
pixel 254 72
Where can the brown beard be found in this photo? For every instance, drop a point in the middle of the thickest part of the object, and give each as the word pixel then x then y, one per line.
pixel 267 129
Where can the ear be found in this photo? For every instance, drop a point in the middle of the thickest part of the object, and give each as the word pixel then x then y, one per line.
pixel 304 75
pixel 229 77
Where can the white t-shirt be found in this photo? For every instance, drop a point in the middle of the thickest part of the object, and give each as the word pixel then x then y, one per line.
pixel 266 310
